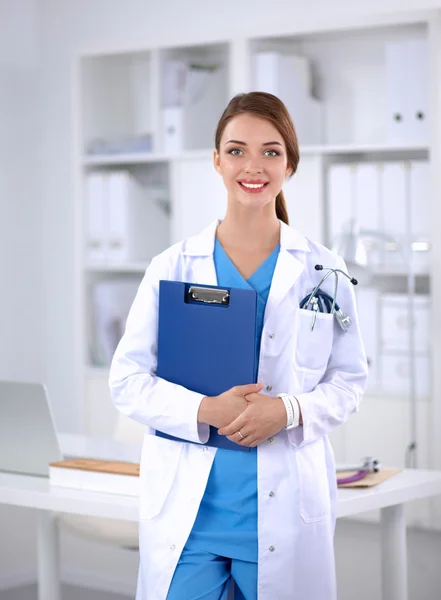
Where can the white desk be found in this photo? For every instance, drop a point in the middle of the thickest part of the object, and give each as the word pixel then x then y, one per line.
pixel 390 497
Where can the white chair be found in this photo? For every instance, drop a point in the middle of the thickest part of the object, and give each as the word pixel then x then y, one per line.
pixel 110 531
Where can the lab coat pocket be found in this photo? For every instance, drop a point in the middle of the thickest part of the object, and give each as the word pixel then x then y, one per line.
pixel 312 348
pixel 313 481
pixel 159 463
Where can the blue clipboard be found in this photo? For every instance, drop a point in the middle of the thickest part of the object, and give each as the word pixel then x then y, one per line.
pixel 206 341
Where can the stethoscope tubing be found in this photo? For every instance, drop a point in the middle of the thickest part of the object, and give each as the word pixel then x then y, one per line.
pixel 322 280
pixel 352 478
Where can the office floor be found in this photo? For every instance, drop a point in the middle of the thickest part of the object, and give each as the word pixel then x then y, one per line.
pixel 358 567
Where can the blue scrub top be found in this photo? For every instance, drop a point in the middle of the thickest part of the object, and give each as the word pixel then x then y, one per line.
pixel 226 523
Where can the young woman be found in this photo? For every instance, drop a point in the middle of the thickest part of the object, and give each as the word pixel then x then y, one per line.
pixel 265 517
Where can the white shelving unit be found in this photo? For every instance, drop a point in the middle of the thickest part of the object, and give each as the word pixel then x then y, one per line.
pixel 119 96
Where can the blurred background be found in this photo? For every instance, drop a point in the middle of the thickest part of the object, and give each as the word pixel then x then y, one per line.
pixel 107 119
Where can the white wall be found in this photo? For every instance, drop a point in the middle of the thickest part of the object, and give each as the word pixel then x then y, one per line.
pixel 20 195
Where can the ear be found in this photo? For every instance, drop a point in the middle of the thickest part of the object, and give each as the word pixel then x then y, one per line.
pixel 216 161
pixel 288 172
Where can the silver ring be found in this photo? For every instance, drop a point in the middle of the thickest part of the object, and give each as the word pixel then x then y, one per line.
pixel 242 437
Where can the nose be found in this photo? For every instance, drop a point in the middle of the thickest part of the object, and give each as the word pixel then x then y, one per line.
pixel 253 167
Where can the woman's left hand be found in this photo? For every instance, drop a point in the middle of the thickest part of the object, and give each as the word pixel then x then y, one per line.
pixel 264 417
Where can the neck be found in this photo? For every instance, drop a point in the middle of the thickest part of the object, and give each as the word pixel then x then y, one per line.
pixel 249 232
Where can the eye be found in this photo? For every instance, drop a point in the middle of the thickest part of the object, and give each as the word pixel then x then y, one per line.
pixel 235 151
pixel 272 153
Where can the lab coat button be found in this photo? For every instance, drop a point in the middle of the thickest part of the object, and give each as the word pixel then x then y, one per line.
pixel 172 547
pixel 269 388
pixel 271 440
pixel 271 548
pixel 205 448
pixel 271 494
pixel 272 336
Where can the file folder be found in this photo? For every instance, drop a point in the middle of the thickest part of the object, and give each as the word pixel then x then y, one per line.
pixel 206 341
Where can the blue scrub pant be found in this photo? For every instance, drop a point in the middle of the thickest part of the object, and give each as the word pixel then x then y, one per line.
pixel 200 575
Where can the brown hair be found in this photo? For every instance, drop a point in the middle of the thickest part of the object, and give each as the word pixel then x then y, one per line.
pixel 272 109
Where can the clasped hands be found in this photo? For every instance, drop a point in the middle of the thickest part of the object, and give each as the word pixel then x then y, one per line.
pixel 244 415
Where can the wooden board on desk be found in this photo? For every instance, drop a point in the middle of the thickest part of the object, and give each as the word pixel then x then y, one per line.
pixel 100 466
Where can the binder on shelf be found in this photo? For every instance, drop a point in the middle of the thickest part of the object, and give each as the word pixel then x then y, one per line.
pixel 111 302
pixel 289 77
pixel 173 124
pixel 341 198
pixel 393 201
pixel 420 214
pixel 96 241
pixel 206 341
pixel 407 91
pixel 398 118
pixel 138 226
pixel 367 205
pixel 418 89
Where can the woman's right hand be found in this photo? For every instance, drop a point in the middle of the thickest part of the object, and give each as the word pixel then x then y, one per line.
pixel 222 410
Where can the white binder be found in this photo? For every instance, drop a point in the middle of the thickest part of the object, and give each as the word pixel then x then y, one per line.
pixel 393 194
pixel 173 129
pixel 111 302
pixel 419 197
pixel 398 117
pixel 420 211
pixel 96 211
pixel 341 196
pixel 417 92
pixel 407 91
pixel 289 77
pixel 367 205
pixel 138 226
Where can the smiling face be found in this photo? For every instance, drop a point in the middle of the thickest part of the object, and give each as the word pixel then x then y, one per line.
pixel 252 161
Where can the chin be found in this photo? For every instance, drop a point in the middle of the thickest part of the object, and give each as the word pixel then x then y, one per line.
pixel 255 204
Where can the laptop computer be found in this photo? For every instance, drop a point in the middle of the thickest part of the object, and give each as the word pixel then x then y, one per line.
pixel 28 439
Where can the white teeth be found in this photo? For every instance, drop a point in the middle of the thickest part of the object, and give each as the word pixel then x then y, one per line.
pixel 253 185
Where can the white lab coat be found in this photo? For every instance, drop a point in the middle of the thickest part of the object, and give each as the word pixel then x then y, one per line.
pixel 326 370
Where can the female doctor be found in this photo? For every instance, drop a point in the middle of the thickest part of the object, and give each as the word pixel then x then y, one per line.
pixel 265 517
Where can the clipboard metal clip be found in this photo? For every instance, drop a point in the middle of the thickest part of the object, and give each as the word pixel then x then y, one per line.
pixel 207 295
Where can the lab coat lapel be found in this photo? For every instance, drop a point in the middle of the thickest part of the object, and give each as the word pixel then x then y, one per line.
pixel 199 250
pixel 288 270
pixel 290 265
pixel 203 271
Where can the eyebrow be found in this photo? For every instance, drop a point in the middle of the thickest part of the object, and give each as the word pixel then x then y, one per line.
pixel 244 144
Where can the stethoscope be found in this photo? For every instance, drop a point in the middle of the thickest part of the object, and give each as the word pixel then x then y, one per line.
pixel 320 300
pixel 369 465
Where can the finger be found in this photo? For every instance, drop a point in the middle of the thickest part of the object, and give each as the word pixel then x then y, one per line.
pixel 255 396
pixel 255 443
pixel 250 388
pixel 233 427
pixel 236 439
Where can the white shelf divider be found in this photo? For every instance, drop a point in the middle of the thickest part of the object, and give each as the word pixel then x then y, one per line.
pixel 117 268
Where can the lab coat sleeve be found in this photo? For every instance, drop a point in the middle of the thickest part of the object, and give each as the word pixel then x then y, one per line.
pixel 136 390
pixel 341 388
